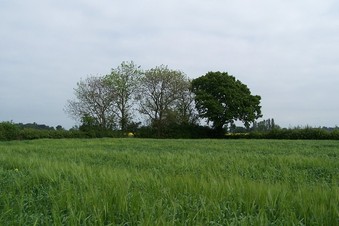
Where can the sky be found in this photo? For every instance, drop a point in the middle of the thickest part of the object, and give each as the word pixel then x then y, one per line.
pixel 286 51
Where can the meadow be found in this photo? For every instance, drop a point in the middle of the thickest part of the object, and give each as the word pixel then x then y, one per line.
pixel 169 182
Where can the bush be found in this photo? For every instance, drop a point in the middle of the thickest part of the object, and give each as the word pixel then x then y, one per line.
pixel 30 134
pixel 297 134
pixel 335 134
pixel 176 131
pixel 8 131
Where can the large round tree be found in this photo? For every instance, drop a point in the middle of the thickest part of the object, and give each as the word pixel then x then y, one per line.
pixel 222 100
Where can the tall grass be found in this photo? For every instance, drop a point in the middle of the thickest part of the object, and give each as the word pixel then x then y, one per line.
pixel 169 182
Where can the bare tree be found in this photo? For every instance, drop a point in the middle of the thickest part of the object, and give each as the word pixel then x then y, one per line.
pixel 161 94
pixel 94 99
pixel 186 112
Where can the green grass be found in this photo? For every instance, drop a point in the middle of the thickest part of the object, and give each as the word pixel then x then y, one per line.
pixel 169 182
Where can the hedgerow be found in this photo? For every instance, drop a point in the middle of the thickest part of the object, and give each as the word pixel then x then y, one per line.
pixel 10 131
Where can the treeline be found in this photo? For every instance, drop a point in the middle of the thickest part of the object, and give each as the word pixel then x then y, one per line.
pixel 19 131
pixel 11 131
pixel 166 101
pixel 307 133
pixel 37 126
pixel 163 103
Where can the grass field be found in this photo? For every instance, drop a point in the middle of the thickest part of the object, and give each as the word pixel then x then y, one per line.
pixel 169 182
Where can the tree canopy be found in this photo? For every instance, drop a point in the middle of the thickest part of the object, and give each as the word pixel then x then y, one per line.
pixel 93 103
pixel 163 97
pixel 222 100
pixel 166 99
pixel 106 101
pixel 123 82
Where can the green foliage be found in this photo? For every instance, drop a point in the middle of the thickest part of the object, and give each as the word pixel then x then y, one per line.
pixel 169 182
pixel 165 98
pixel 123 82
pixel 177 131
pixel 11 131
pixel 264 125
pixel 307 133
pixel 8 131
pixel 171 105
pixel 222 99
pixel 335 134
pixel 34 125
pixel 95 101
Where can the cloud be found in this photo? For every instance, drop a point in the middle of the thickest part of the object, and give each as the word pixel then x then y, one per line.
pixel 285 51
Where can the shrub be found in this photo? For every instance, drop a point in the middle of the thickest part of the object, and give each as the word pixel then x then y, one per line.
pixel 30 134
pixel 8 131
pixel 297 134
pixel 335 134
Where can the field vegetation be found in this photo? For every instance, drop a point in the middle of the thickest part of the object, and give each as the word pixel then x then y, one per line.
pixel 11 131
pixel 169 182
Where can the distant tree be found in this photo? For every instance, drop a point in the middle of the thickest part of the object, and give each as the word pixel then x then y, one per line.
pixel 186 106
pixel 94 100
pixel 9 131
pixel 164 97
pixel 123 82
pixel 222 99
pixel 89 123
pixel 59 128
pixel 264 125
pixel 34 125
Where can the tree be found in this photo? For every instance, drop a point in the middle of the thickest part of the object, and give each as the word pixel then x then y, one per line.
pixel 265 125
pixel 123 82
pixel 59 128
pixel 222 99
pixel 162 94
pixel 8 131
pixel 186 111
pixel 94 100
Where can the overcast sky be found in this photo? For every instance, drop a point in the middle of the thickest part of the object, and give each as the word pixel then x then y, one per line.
pixel 286 51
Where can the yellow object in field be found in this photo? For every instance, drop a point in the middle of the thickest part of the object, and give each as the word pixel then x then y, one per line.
pixel 130 134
